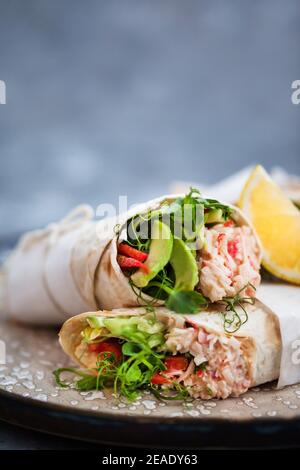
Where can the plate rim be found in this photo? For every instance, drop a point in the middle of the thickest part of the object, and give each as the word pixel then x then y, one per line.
pixel 145 418
pixel 164 432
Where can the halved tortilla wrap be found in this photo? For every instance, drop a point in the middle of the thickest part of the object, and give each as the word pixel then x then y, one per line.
pixel 233 362
pixel 72 266
pixel 112 288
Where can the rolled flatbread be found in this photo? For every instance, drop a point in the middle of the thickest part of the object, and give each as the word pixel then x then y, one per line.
pixel 198 354
pixel 113 290
pixel 73 266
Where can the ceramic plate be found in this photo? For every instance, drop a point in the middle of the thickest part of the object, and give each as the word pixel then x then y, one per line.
pixel 30 397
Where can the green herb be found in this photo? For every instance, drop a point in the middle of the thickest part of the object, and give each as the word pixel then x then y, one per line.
pixel 87 383
pixel 178 301
pixel 139 364
pixel 175 391
pixel 105 367
pixel 137 370
pixel 194 198
pixel 232 319
pixel 184 216
pixel 186 301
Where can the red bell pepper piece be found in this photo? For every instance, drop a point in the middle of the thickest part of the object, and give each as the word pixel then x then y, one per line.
pixel 128 263
pixel 173 364
pixel 159 379
pixel 176 363
pixel 107 349
pixel 131 252
pixel 229 223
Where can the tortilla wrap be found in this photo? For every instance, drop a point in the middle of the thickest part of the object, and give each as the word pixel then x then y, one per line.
pixel 112 288
pixel 71 267
pixel 259 338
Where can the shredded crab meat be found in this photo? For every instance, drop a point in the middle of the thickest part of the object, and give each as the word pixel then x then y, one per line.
pixel 226 373
pixel 228 261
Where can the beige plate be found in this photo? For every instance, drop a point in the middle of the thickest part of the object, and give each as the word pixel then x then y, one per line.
pixel 32 355
pixel 30 397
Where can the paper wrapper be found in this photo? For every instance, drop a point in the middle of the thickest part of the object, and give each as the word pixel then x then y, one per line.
pixel 51 273
pixel 284 301
pixel 229 189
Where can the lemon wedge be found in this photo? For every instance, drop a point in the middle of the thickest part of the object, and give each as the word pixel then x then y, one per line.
pixel 277 223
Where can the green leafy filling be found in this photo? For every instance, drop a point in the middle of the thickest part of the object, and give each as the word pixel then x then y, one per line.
pixel 142 329
pixel 186 218
pixel 142 339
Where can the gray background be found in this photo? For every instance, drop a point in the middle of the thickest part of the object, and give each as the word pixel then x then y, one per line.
pixel 122 97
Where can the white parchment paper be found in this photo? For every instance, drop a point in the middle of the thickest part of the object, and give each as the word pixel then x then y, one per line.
pixel 284 301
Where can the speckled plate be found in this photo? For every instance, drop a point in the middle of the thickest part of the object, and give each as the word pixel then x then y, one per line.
pixel 30 397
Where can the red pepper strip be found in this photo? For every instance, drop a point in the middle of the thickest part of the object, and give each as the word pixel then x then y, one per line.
pixel 228 223
pixel 173 364
pixel 127 263
pixel 131 252
pixel 176 363
pixel 107 349
pixel 200 372
pixel 159 379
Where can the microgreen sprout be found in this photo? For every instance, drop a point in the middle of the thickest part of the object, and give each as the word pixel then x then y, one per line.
pixel 233 320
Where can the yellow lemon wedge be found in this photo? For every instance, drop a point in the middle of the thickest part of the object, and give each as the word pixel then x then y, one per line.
pixel 277 223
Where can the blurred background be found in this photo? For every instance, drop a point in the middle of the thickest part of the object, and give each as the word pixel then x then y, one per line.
pixel 123 97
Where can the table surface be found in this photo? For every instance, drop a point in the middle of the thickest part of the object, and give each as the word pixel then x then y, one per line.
pixel 13 437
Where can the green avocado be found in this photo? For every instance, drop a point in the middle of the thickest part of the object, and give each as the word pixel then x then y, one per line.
pixel 214 216
pixel 159 254
pixel 185 266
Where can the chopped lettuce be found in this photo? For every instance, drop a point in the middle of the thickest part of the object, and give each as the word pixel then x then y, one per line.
pixel 96 321
pixel 143 329
pixel 90 334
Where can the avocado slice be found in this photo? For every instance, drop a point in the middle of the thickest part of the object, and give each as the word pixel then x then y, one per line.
pixel 215 216
pixel 185 266
pixel 159 255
